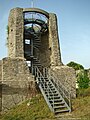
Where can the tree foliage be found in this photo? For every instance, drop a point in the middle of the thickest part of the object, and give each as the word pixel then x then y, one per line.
pixel 74 65
pixel 83 80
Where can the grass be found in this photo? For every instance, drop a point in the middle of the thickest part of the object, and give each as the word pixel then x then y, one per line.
pixel 38 110
pixel 80 107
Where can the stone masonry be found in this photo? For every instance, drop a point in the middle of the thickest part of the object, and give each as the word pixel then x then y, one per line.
pixel 15 33
pixel 16 82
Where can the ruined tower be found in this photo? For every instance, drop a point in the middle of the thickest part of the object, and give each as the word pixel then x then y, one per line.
pixel 33 57
pixel 33 34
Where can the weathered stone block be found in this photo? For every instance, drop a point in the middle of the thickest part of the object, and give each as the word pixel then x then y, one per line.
pixel 67 77
pixel 17 84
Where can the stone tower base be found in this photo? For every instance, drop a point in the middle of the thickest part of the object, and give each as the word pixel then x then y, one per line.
pixel 16 82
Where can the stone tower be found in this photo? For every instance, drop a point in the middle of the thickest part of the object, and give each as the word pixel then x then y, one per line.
pixel 46 30
pixel 32 42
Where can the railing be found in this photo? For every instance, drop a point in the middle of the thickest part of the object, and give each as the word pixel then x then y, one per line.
pixel 50 94
pixel 66 94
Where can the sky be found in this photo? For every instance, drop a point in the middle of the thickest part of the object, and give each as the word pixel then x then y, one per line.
pixel 73 26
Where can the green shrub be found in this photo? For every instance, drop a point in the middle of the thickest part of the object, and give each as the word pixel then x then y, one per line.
pixel 83 80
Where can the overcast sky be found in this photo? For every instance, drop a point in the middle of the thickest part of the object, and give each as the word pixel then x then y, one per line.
pixel 73 24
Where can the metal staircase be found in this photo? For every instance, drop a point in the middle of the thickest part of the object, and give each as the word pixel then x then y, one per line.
pixel 55 94
pixel 36 62
pixel 36 46
pixel 53 97
pixel 37 40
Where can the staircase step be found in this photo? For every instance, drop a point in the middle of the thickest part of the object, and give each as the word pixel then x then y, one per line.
pixel 59 107
pixel 58 102
pixel 45 90
pixel 36 61
pixel 55 97
pixel 51 94
pixel 54 92
pixel 61 111
pixel 36 64
pixel 35 40
pixel 50 87
pixel 49 90
pixel 35 58
pixel 43 80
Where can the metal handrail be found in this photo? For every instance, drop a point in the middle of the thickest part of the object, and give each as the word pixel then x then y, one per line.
pixel 38 74
pixel 61 88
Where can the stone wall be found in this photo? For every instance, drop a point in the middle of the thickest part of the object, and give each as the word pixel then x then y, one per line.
pixel 54 41
pixel 64 74
pixel 49 51
pixel 0 70
pixel 17 83
pixel 15 33
pixel 67 77
pixel 0 85
pixel 44 50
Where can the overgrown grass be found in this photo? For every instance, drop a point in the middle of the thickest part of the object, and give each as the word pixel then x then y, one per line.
pixel 36 110
pixel 83 92
pixel 80 106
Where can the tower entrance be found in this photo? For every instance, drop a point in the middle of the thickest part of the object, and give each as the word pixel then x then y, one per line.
pixel 35 26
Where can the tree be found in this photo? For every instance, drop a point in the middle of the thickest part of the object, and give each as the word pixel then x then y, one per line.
pixel 74 65
pixel 83 80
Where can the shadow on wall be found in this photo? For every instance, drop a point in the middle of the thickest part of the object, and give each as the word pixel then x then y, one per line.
pixel 13 95
pixel 24 91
